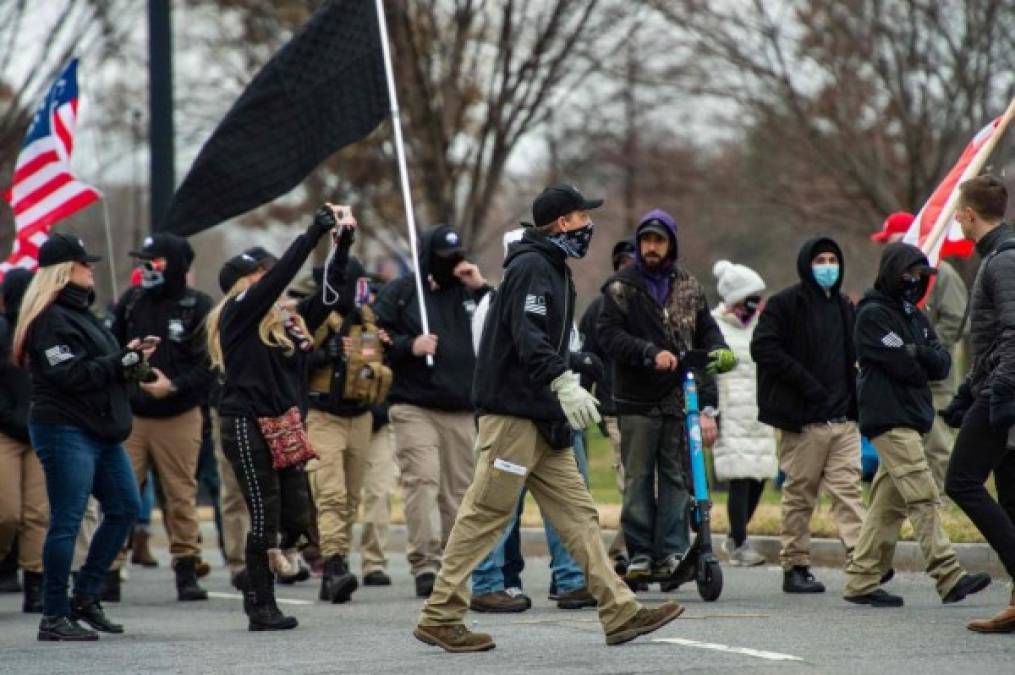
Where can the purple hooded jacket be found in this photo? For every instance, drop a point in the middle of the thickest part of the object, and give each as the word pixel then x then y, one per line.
pixel 658 281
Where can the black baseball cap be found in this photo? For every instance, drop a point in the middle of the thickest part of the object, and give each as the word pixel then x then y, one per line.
pixel 656 226
pixel 446 242
pixel 245 263
pixel 62 248
pixel 560 200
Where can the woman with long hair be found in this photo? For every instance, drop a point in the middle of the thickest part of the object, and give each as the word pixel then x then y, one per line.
pixel 262 347
pixel 80 414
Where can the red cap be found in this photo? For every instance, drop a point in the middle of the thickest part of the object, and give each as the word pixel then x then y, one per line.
pixel 897 223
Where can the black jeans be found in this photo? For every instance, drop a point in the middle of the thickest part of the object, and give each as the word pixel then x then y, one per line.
pixel 743 500
pixel 980 449
pixel 278 501
pixel 653 450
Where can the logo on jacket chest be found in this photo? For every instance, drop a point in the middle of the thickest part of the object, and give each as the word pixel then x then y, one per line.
pixel 176 330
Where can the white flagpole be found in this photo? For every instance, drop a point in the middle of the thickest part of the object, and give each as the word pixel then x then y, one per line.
pixel 403 170
pixel 944 220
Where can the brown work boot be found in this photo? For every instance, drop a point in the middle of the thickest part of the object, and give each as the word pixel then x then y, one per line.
pixel 454 638
pixel 644 622
pixel 1002 623
pixel 141 554
pixel 498 602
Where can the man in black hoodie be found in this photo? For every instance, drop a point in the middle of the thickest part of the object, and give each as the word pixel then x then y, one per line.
pixel 431 411
pixel 529 406
pixel 24 508
pixel 900 355
pixel 167 415
pixel 654 312
pixel 803 347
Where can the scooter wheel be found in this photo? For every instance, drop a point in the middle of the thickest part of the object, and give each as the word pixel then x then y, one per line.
pixel 710 586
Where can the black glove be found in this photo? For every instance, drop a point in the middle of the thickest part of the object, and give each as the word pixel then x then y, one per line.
pixel 588 365
pixel 324 221
pixel 955 412
pixel 1002 405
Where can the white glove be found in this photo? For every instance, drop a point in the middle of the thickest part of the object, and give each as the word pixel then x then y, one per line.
pixel 578 404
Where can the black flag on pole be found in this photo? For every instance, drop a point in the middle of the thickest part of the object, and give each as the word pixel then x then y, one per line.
pixel 322 91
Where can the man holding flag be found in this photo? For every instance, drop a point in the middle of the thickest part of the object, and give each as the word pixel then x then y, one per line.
pixel 985 405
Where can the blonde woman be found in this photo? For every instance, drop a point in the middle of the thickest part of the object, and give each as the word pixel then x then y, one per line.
pixel 79 417
pixel 262 350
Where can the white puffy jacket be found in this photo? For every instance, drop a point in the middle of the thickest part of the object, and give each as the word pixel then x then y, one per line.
pixel 746 447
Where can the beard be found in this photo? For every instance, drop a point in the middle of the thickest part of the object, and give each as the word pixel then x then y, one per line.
pixel 652 262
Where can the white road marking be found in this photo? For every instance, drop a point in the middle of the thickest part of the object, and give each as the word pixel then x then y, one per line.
pixel 746 651
pixel 237 596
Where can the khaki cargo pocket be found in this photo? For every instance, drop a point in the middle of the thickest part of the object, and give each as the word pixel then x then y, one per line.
pixel 915 482
pixel 499 488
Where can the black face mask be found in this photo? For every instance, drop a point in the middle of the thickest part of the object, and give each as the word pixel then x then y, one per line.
pixel 912 288
pixel 443 270
pixel 749 308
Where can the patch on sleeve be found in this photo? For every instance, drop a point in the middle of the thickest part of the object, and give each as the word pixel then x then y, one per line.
pixel 892 340
pixel 535 304
pixel 58 354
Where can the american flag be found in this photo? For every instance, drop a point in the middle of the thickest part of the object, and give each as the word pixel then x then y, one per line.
pixel 44 189
pixel 952 243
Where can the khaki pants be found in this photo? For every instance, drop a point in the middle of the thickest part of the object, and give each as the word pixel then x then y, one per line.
pixel 512 453
pixel 172 445
pixel 24 507
pixel 336 477
pixel 617 546
pixel 902 487
pixel 89 523
pixel 235 519
pixel 434 449
pixel 822 456
pixel 939 442
pixel 377 486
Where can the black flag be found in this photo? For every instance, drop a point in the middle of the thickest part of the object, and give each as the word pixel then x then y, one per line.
pixel 322 91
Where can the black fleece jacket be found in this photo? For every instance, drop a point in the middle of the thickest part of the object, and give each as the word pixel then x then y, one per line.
pixel 15 383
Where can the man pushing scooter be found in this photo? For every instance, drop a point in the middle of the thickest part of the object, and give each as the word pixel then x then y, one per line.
pixel 654 311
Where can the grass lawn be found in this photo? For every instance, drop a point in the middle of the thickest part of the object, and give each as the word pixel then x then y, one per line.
pixel 603 486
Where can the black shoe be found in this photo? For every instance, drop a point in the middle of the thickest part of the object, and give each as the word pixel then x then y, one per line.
pixel 620 564
pixel 798 579
pixel 576 599
pixel 239 581
pixel 337 582
pixel 640 569
pixel 87 608
pixel 109 591
pixel 33 593
pixel 968 584
pixel 876 598
pixel 259 601
pixel 9 582
pixel 187 588
pixel 376 578
pixel 63 629
pixel 888 576
pixel 424 584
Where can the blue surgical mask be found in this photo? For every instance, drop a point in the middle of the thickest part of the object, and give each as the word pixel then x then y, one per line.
pixel 576 242
pixel 826 275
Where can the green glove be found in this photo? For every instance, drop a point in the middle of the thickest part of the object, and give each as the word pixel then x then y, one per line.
pixel 721 361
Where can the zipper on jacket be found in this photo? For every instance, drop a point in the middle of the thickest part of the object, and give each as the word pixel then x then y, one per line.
pixel 567 297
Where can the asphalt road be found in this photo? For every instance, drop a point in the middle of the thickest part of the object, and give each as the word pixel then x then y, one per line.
pixel 753 627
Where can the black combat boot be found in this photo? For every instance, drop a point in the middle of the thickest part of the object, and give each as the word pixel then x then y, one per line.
pixel 337 583
pixel 87 608
pixel 33 593
pixel 186 580
pixel 259 600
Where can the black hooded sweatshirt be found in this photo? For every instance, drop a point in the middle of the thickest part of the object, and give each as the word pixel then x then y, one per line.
pixel 525 343
pixel 898 351
pixel 448 384
pixel 175 313
pixel 803 347
pixel 15 383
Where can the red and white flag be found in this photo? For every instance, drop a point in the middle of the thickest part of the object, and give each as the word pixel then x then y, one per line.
pixel 44 189
pixel 953 243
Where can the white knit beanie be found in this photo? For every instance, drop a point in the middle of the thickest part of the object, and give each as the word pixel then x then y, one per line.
pixel 736 282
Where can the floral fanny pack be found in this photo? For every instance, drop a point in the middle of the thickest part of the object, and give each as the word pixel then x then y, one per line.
pixel 287 439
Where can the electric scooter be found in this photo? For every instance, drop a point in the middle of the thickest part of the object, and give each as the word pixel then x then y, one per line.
pixel 700 563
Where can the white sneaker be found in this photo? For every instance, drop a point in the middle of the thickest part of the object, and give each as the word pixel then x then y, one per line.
pixel 745 556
